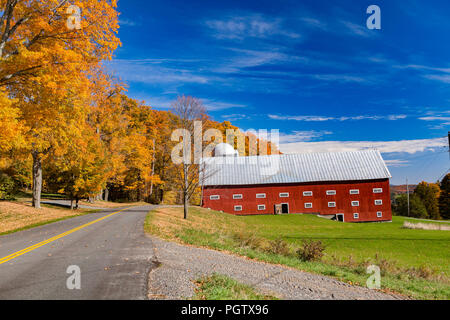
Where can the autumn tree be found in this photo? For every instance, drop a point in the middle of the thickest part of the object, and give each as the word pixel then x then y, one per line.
pixel 444 198
pixel 47 53
pixel 429 194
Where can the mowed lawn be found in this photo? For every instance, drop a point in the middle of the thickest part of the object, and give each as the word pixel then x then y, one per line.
pixel 414 262
pixel 405 247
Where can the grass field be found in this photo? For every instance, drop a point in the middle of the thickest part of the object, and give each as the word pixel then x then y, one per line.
pixel 220 287
pixel 413 262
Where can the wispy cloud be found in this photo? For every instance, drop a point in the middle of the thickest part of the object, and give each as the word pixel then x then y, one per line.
pixel 403 146
pixel 356 29
pixel 343 118
pixel 302 136
pixel 396 163
pixel 128 22
pixel 254 26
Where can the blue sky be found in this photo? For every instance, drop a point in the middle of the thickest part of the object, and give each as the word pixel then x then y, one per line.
pixel 311 69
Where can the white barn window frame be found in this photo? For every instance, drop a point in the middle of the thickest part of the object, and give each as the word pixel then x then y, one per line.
pixel 308 193
pixel 331 192
pixel 214 197
pixel 238 197
pixel 308 205
pixel 354 191
pixel 355 203
pixel 379 214
pixel 238 208
pixel 284 194
pixel 356 216
pixel 261 207
pixel 377 190
pixel 261 196
pixel 378 202
pixel 332 204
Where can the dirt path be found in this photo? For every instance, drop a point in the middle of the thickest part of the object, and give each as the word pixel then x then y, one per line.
pixel 179 265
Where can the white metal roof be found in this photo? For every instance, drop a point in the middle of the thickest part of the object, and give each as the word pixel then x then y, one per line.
pixel 294 168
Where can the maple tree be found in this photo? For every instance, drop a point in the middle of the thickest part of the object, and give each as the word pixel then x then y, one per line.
pixel 46 66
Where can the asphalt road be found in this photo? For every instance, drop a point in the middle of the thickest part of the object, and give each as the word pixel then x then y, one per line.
pixel 113 255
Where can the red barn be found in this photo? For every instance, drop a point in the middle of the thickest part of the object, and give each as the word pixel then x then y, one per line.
pixel 346 186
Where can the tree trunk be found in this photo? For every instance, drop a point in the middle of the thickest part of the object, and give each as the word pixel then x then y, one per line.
pixel 185 192
pixel 76 206
pixel 37 179
pixel 71 203
pixel 106 194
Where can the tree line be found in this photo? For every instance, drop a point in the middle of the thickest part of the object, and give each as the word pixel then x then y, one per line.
pixel 428 201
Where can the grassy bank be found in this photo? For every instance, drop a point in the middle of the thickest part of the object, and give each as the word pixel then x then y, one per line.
pixel 413 262
pixel 15 217
pixel 220 287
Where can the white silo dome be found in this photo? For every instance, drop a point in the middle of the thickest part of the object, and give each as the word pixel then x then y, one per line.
pixel 225 150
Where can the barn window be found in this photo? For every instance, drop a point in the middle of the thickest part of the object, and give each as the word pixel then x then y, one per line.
pixel 238 196
pixel 308 205
pixel 354 191
pixel 355 203
pixel 378 190
pixel 331 192
pixel 261 196
pixel 284 195
pixel 378 202
pixel 308 194
pixel 214 197
pixel 261 207
pixel 331 204
pixel 237 208
pixel 380 214
pixel 356 215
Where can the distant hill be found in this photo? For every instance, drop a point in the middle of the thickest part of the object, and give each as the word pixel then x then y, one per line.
pixel 402 189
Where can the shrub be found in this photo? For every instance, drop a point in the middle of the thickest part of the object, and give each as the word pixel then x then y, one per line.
pixel 311 251
pixel 278 246
pixel 7 187
pixel 249 240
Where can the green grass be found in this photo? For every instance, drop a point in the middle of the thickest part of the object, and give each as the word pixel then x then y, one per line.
pixel 220 287
pixel 349 247
pixel 43 223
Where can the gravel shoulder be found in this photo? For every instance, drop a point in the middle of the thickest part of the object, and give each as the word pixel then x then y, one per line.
pixel 179 265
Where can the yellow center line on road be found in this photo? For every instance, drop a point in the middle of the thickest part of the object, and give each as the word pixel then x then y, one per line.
pixel 43 243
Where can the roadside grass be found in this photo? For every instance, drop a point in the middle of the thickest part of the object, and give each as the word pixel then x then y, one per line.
pixel 220 287
pixel 15 217
pixel 414 263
